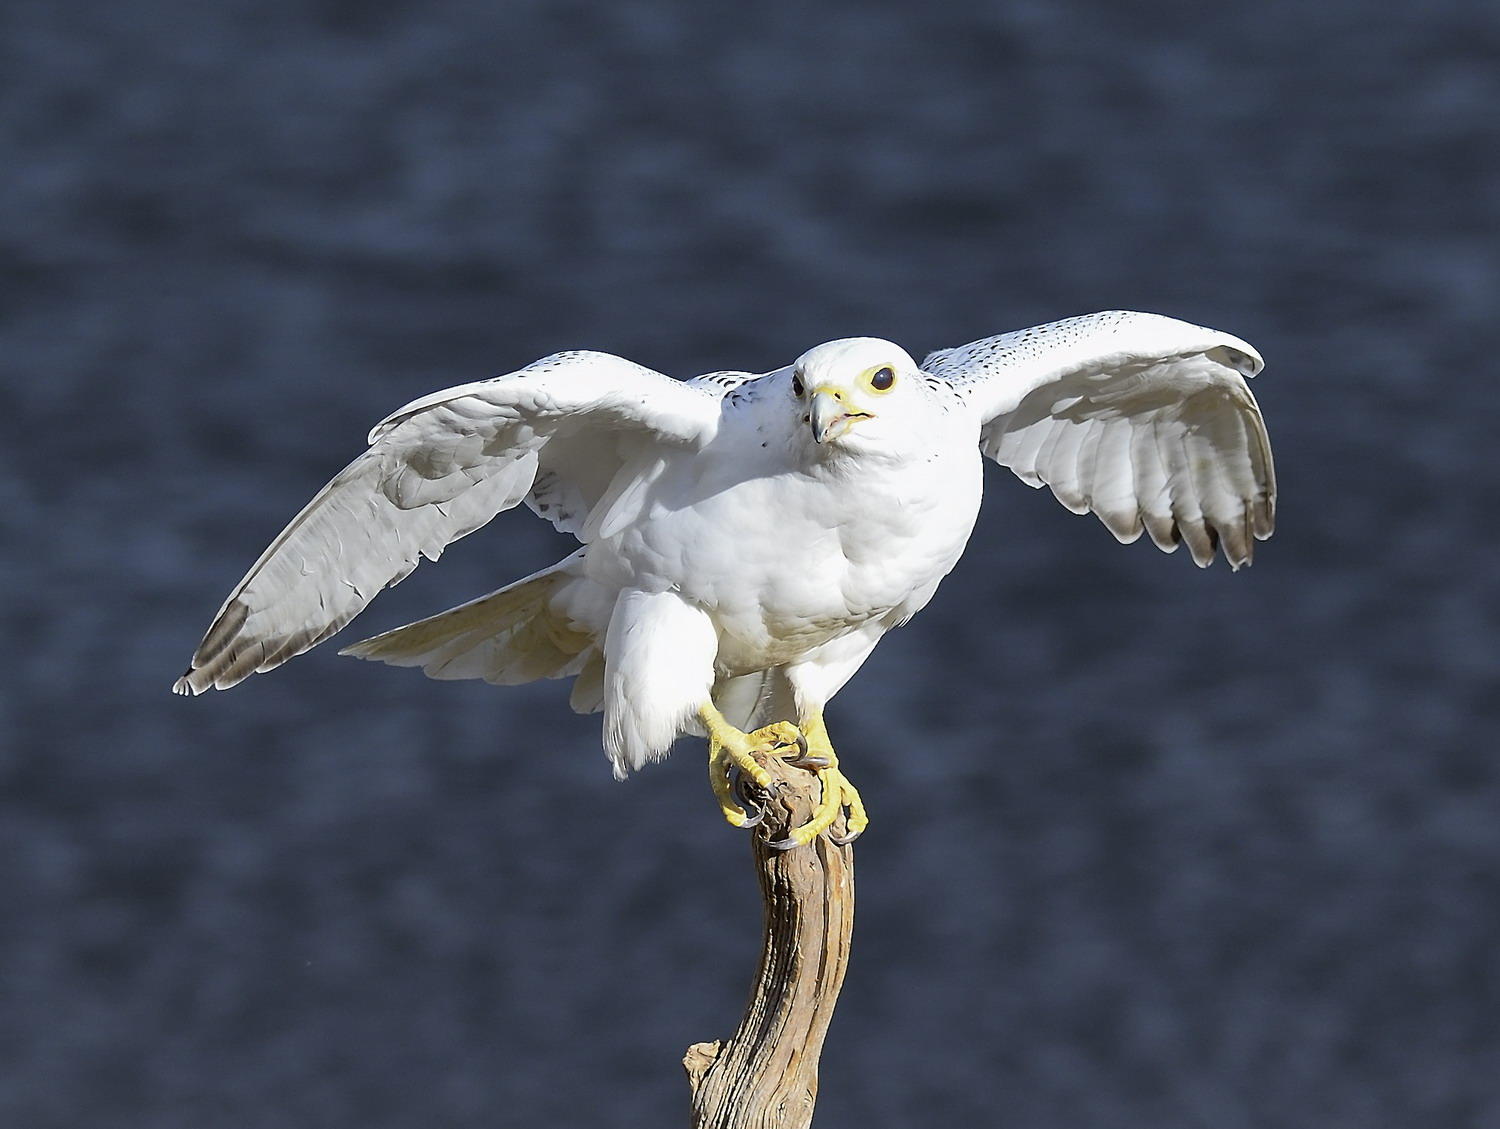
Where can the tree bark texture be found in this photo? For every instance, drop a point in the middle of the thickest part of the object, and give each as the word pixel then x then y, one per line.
pixel 766 1075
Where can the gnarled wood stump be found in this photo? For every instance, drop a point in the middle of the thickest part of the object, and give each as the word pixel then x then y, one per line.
pixel 766 1075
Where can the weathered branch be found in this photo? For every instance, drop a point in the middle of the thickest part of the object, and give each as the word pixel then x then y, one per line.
pixel 766 1075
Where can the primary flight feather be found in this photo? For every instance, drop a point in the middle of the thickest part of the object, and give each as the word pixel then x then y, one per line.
pixel 748 539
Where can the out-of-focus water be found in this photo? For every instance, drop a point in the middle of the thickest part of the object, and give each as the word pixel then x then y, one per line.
pixel 1152 846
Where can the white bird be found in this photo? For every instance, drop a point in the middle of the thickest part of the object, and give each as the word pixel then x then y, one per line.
pixel 748 539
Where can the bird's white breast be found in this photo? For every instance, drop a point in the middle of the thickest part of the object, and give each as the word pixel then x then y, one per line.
pixel 787 557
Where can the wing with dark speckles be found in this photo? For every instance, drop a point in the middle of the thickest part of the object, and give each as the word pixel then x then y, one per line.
pixel 1146 421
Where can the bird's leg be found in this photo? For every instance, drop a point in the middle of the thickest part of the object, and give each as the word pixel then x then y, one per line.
pixel 837 795
pixel 730 752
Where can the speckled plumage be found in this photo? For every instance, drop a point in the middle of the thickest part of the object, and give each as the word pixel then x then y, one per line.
pixel 748 539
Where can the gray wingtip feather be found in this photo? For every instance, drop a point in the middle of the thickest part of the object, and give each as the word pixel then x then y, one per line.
pixel 375 649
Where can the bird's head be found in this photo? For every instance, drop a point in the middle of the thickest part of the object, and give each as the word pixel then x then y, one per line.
pixel 856 393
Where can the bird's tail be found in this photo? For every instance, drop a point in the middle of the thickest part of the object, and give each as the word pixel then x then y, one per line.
pixel 511 636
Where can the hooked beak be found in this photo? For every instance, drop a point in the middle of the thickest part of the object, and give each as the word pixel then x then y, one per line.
pixel 829 413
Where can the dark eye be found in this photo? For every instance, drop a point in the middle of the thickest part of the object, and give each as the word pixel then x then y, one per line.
pixel 882 379
pixel 796 384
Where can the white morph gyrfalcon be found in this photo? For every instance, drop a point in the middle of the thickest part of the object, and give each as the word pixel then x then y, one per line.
pixel 748 539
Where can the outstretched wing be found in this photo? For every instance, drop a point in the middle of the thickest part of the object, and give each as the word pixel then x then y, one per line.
pixel 437 469
pixel 1143 419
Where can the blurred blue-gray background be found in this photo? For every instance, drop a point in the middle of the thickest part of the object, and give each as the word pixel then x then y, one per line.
pixel 1153 847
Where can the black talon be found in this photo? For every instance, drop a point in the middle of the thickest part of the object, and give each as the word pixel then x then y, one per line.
pixel 804 758
pixel 736 789
pixel 843 840
pixel 782 844
pixel 807 760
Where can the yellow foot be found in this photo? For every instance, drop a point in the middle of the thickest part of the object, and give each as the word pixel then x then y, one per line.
pixel 730 754
pixel 838 795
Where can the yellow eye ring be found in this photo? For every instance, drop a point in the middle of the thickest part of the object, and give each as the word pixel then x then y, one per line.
pixel 881 378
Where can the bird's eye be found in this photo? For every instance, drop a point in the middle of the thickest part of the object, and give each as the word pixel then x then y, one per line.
pixel 796 384
pixel 882 378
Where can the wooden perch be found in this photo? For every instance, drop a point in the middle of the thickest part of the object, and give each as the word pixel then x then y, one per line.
pixel 766 1075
